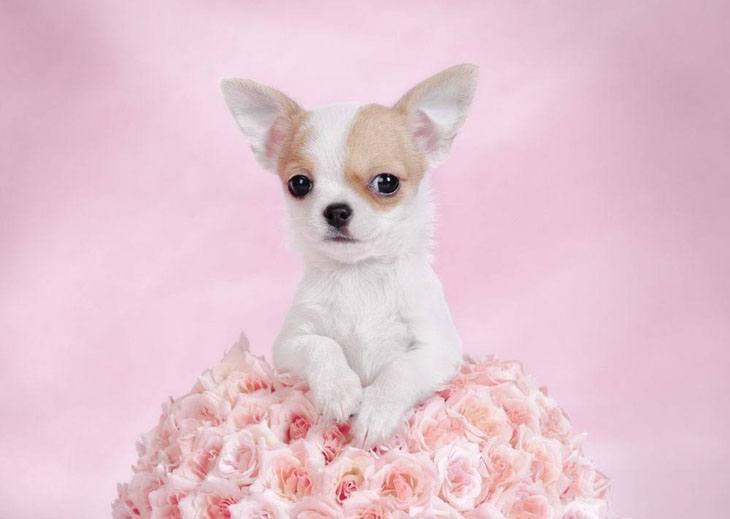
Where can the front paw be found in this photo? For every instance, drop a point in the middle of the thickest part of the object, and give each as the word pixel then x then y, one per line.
pixel 337 395
pixel 377 420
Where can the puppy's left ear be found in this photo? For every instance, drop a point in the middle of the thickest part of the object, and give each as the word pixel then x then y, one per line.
pixel 266 117
pixel 436 108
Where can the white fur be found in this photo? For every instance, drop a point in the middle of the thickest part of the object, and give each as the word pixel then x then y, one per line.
pixel 369 327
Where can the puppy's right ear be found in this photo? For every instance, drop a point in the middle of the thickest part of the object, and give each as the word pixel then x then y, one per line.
pixel 266 117
pixel 436 108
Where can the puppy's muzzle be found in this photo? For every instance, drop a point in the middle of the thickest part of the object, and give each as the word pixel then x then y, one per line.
pixel 337 215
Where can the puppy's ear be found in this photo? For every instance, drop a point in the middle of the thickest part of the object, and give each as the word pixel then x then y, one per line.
pixel 266 117
pixel 436 108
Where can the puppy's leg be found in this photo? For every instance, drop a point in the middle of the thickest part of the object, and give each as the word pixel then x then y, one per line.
pixel 397 388
pixel 336 388
pixel 431 360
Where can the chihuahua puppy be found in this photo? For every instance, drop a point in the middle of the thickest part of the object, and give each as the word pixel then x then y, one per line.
pixel 369 328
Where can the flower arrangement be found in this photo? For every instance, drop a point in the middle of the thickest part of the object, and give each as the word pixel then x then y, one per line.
pixel 247 442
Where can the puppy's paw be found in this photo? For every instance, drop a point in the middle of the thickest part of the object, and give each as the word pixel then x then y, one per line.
pixel 337 395
pixel 377 420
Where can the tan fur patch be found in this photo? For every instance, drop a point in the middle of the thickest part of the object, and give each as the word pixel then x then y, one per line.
pixel 379 142
pixel 292 156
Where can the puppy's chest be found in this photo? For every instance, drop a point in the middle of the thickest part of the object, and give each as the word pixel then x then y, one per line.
pixel 363 313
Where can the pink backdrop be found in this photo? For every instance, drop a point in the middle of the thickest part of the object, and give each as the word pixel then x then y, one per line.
pixel 583 219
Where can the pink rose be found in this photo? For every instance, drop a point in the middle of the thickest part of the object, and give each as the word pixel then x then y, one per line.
pixel 484 511
pixel 547 458
pixel 348 484
pixel 287 379
pixel 257 375
pixel 482 419
pixel 487 371
pixel 121 508
pixel 253 374
pixel 315 508
pixel 530 507
pixel 583 478
pixel 151 444
pixel 291 471
pixel 232 360
pixel 331 438
pixel 436 508
pixel 298 427
pixel 248 410
pixel 367 504
pixel 334 438
pixel 239 372
pixel 521 412
pixel 165 501
pixel 518 403
pixel 133 500
pixel 347 474
pixel 261 505
pixel 460 474
pixel 211 501
pixel 406 478
pixel 553 422
pixel 292 417
pixel 200 455
pixel 166 507
pixel 292 480
pixel 506 465
pixel 431 427
pixel 206 408
pixel 161 445
pixel 585 508
pixel 239 360
pixel 239 458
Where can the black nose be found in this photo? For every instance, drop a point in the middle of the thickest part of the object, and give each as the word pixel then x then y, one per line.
pixel 337 215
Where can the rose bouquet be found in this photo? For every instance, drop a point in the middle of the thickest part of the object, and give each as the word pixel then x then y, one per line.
pixel 247 442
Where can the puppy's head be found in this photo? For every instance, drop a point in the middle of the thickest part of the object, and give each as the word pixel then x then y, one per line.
pixel 353 174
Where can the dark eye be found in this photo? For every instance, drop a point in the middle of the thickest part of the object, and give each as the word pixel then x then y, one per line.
pixel 299 186
pixel 384 184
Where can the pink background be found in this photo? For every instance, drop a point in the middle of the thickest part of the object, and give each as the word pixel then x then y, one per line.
pixel 583 219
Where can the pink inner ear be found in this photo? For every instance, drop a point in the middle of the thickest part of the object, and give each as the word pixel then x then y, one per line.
pixel 424 133
pixel 276 137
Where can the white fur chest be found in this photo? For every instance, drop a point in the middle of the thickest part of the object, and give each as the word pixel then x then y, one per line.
pixel 361 308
